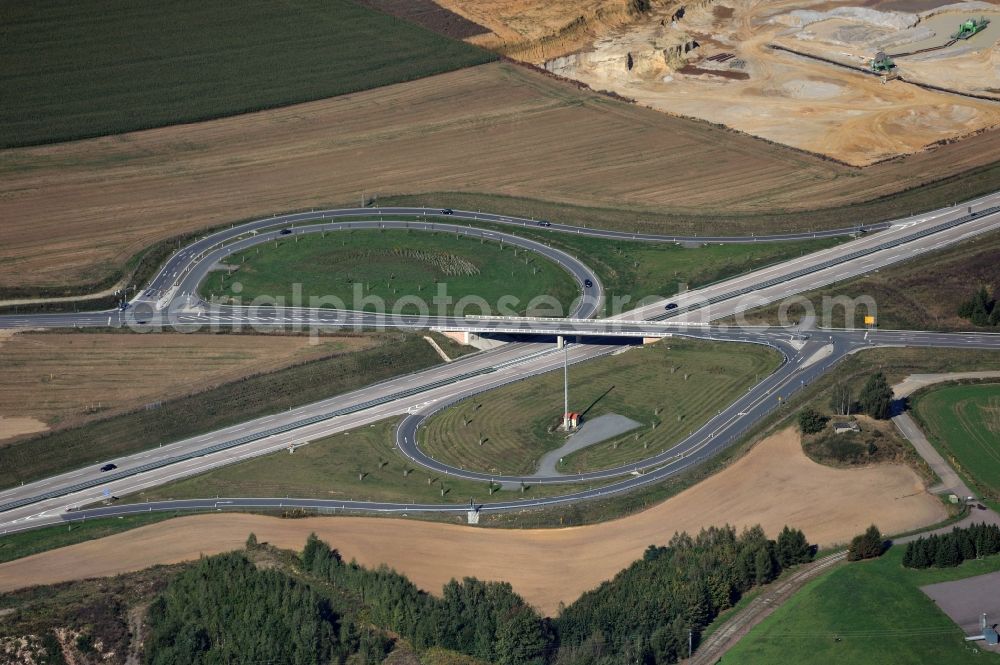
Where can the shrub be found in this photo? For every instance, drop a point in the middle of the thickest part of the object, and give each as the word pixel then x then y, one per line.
pixel 868 545
pixel 811 421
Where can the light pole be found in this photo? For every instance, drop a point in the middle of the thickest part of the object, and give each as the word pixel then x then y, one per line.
pixel 565 386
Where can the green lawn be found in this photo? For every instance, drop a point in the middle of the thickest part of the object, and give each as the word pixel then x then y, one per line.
pixel 878 612
pixel 671 388
pixel 70 70
pixel 360 269
pixel 360 464
pixel 963 421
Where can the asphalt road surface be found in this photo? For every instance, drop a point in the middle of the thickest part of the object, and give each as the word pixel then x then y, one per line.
pixel 171 300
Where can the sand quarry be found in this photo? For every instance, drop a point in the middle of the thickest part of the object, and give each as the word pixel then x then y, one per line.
pixel 713 60
pixel 774 484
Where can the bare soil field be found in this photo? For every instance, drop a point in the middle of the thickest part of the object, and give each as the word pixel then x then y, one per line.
pixel 61 380
pixel 718 66
pixel 430 15
pixel 774 484
pixel 73 212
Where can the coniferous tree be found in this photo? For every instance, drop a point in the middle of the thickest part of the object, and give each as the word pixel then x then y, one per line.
pixel 867 545
pixel 876 397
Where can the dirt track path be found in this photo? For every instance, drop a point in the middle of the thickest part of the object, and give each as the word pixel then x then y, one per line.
pixel 774 484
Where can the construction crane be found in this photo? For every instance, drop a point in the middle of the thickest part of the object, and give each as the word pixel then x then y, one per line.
pixel 971 27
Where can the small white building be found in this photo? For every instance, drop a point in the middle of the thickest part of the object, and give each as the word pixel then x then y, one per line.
pixel 845 426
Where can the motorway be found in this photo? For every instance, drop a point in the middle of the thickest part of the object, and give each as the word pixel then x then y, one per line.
pixel 171 300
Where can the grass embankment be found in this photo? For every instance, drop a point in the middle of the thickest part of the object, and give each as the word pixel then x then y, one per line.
pixel 360 464
pixel 633 270
pixel 26 543
pixel 360 269
pixel 866 612
pixel 255 396
pixel 114 66
pixel 963 423
pixel 671 388
pixel 922 294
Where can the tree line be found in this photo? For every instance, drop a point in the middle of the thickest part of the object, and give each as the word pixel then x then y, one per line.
pixel 223 609
pixel 950 549
pixel 482 619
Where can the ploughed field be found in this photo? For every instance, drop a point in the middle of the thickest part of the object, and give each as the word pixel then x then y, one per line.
pixel 411 272
pixel 671 388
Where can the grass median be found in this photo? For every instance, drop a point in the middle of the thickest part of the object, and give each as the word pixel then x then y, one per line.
pixel 361 464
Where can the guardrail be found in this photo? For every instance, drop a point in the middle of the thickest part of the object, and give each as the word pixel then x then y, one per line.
pixel 828 263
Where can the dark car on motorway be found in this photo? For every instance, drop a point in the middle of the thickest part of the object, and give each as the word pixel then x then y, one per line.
pixel 671 305
pixel 588 283
pixel 285 232
pixel 545 222
pixel 109 467
pixel 447 211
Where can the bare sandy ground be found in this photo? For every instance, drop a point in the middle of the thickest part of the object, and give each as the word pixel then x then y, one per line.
pixel 774 484
pixel 811 105
pixel 19 425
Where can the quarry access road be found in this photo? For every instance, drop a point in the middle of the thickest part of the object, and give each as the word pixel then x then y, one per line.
pixel 807 355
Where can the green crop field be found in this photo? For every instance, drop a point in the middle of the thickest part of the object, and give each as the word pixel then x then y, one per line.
pixel 963 421
pixel 361 464
pixel 70 70
pixel 865 613
pixel 359 269
pixel 671 388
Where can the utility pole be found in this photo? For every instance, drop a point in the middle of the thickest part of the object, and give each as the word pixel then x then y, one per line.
pixel 690 643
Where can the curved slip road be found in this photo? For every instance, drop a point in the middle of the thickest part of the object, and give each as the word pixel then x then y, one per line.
pixel 45 501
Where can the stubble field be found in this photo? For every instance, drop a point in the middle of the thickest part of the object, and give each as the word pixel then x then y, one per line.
pixel 64 379
pixel 75 212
